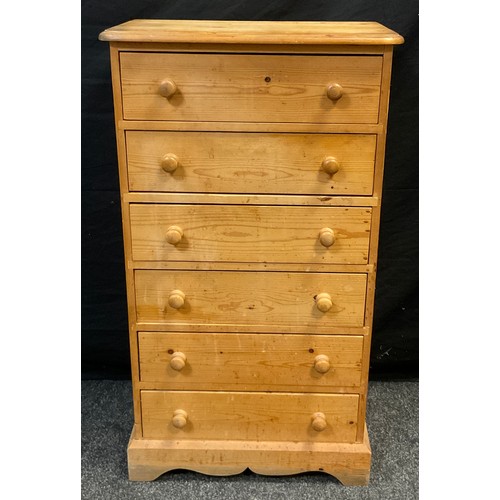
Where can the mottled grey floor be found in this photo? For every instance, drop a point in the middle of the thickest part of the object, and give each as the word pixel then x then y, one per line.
pixel 107 421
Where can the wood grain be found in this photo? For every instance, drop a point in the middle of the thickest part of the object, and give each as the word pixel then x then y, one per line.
pixel 249 416
pixel 313 329
pixel 268 127
pixel 250 298
pixel 249 233
pixel 262 32
pixel 251 162
pixel 374 236
pixel 252 199
pixel 251 362
pixel 123 179
pixel 249 48
pixel 250 88
pixel 251 266
pixel 149 458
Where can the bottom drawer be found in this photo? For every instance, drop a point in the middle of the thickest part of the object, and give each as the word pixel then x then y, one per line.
pixel 249 416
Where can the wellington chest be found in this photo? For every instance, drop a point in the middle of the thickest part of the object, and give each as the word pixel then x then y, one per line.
pixel 251 160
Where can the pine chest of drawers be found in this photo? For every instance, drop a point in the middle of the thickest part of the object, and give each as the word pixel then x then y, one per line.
pixel 251 161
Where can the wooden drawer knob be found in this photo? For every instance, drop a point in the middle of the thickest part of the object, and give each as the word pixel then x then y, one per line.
pixel 319 422
pixel 176 299
pixel 324 302
pixel 174 234
pixel 334 91
pixel 327 236
pixel 179 419
pixel 322 363
pixel 170 162
pixel 167 88
pixel 330 165
pixel 178 361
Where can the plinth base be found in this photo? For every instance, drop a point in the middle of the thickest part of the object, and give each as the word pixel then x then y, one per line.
pixel 150 458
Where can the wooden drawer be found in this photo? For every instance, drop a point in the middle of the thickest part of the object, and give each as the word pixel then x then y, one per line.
pixel 235 162
pixel 251 362
pixel 249 416
pixel 250 88
pixel 250 233
pixel 277 300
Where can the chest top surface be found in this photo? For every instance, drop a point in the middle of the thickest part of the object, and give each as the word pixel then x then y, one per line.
pixel 265 32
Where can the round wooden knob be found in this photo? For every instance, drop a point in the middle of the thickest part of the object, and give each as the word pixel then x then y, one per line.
pixel 178 361
pixel 324 302
pixel 174 234
pixel 322 363
pixel 334 91
pixel 179 419
pixel 170 162
pixel 319 421
pixel 167 88
pixel 176 299
pixel 330 165
pixel 327 237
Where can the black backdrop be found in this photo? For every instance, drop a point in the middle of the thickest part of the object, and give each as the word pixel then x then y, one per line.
pixel 105 352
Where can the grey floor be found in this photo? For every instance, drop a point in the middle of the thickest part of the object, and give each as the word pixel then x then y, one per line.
pixel 392 421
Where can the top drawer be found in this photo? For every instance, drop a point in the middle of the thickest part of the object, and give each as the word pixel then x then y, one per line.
pixel 250 88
